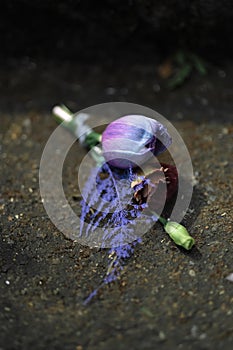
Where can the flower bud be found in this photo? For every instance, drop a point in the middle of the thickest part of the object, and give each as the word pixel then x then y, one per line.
pixel 131 140
pixel 179 234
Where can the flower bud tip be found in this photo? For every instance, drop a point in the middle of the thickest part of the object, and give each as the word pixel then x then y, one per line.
pixel 179 235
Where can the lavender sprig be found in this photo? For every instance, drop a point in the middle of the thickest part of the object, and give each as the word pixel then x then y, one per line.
pixel 116 218
pixel 117 258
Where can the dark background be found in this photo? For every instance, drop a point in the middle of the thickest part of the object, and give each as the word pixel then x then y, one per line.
pixel 90 29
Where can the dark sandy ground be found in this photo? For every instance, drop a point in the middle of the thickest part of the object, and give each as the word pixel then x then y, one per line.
pixel 167 298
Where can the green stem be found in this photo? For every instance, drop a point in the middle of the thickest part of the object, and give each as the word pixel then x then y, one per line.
pixel 92 139
pixel 162 220
pixel 73 121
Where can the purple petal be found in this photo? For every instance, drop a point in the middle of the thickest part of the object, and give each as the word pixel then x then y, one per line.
pixel 133 139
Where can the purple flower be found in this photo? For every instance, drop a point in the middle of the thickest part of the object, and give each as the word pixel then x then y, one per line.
pixel 131 140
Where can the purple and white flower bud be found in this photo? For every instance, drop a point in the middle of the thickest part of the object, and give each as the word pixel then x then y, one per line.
pixel 132 140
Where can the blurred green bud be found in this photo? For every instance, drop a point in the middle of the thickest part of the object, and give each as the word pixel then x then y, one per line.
pixel 179 234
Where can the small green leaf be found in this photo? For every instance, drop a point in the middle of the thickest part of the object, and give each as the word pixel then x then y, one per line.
pixel 179 78
pixel 198 64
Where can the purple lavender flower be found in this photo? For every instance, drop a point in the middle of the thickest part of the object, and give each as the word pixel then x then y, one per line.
pixel 131 140
pixel 116 215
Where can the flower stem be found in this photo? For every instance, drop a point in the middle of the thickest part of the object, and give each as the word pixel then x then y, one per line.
pixel 62 114
pixel 76 124
pixel 162 220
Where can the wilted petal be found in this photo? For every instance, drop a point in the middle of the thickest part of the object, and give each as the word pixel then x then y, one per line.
pixel 156 186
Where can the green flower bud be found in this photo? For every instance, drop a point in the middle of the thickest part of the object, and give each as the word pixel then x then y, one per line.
pixel 179 234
